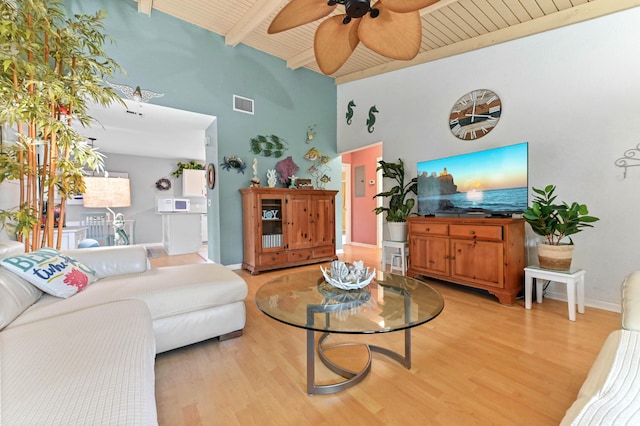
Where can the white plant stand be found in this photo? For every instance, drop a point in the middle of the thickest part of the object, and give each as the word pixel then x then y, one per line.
pixel 574 281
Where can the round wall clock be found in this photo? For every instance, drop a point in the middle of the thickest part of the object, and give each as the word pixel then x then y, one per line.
pixel 475 114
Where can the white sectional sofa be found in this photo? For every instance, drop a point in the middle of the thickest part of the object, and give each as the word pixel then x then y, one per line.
pixel 89 358
pixel 610 395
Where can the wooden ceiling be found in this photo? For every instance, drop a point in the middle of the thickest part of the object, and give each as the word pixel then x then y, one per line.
pixel 449 27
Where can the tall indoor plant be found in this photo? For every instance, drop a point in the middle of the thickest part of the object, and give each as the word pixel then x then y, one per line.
pixel 400 203
pixel 556 222
pixel 53 67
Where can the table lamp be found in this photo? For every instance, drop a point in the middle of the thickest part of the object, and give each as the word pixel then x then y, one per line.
pixel 106 192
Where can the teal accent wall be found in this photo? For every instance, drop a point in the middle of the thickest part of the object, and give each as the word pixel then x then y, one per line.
pixel 197 72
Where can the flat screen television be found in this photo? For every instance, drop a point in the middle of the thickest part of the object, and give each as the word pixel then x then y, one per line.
pixel 492 182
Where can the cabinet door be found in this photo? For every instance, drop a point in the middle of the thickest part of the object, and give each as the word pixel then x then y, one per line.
pixel 194 183
pixel 299 227
pixel 323 220
pixel 429 254
pixel 478 261
pixel 271 217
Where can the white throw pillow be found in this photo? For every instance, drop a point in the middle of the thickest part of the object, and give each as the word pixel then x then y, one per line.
pixel 51 271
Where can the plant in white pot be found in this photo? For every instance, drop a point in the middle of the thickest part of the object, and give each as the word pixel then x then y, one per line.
pixel 555 222
pixel 400 203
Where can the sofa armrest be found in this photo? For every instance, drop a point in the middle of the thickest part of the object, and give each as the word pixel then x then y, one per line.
pixel 631 301
pixel 10 248
pixel 113 260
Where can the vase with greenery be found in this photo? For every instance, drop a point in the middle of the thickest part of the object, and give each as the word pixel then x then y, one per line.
pixel 556 222
pixel 400 203
pixel 53 69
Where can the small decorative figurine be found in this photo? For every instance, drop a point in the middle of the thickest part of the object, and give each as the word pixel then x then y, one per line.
pixel 255 180
pixel 272 177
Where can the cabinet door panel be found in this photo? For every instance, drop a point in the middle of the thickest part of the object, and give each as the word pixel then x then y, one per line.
pixel 324 227
pixel 269 218
pixel 479 261
pixel 299 222
pixel 429 254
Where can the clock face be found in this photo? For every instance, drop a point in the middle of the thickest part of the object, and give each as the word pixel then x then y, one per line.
pixel 475 114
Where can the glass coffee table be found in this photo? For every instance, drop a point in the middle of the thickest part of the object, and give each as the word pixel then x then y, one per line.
pixel 389 303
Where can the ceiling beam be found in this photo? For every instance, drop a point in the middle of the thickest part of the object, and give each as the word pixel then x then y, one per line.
pixel 301 59
pixel 260 11
pixel 574 15
pixel 145 6
pixel 308 56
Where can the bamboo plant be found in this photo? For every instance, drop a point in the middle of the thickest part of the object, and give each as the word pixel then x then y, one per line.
pixel 52 67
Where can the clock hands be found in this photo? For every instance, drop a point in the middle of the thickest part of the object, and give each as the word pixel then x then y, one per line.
pixel 473 111
pixel 479 115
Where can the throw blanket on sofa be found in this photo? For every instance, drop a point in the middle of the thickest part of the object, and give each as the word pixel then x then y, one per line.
pixel 617 401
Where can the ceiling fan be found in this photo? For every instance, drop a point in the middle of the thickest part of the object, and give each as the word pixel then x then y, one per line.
pixel 392 28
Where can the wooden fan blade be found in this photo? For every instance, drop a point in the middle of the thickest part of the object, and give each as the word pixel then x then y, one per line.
pixel 391 34
pixel 299 12
pixel 404 6
pixel 334 42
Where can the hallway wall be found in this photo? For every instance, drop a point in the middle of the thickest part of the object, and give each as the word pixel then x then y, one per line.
pixel 363 219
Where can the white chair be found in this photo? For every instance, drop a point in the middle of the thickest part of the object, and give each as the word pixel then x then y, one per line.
pixel 98 227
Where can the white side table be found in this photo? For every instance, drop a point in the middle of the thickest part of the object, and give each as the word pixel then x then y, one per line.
pixel 400 252
pixel 574 281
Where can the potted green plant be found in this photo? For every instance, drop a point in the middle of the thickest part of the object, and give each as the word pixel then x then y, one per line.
pixel 556 222
pixel 191 165
pixel 400 203
pixel 53 67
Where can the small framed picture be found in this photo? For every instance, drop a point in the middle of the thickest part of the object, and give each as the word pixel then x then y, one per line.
pixel 304 183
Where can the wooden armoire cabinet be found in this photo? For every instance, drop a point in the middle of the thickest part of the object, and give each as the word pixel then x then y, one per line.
pixel 285 227
pixel 485 253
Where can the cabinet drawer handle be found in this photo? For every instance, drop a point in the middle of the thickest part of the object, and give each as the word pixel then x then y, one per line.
pixel 472 232
pixel 428 229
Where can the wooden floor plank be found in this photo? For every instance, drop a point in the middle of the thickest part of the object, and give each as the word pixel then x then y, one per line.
pixel 478 363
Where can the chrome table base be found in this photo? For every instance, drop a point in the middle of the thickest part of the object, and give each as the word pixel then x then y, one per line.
pixel 352 377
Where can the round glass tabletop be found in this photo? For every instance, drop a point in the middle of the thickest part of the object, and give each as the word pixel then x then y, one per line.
pixel 389 303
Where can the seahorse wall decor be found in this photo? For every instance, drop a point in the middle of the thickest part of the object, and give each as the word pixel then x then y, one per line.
pixel 372 118
pixel 350 111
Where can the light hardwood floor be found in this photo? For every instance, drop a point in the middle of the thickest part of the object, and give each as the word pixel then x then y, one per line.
pixel 478 363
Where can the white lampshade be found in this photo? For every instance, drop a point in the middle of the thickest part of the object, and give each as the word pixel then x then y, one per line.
pixel 106 192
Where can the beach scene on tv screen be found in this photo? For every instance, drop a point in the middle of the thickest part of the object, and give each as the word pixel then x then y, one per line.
pixel 493 180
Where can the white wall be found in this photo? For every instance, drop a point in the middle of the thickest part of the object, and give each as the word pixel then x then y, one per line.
pixel 572 93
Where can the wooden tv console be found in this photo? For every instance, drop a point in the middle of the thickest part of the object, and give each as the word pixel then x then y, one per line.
pixel 484 253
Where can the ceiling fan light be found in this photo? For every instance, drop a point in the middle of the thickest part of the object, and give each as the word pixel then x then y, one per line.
pixel 356 8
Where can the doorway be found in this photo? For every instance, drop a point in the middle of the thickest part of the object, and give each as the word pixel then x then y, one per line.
pixel 360 183
pixel 346 203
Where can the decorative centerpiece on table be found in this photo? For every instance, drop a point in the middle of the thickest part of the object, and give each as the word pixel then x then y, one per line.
pixel 348 276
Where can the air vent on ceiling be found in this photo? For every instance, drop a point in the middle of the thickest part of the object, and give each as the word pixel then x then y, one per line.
pixel 242 104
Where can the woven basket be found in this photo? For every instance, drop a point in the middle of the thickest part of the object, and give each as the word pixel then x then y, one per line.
pixel 555 257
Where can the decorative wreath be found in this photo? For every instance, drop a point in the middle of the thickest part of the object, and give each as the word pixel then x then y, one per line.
pixel 163 184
